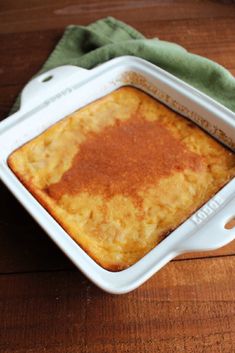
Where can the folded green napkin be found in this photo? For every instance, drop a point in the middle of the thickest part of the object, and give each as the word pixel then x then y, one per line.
pixel 108 38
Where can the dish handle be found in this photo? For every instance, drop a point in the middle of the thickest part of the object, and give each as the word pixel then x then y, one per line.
pixel 213 234
pixel 38 89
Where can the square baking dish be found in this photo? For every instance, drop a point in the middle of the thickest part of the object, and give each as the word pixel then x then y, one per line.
pixel 53 95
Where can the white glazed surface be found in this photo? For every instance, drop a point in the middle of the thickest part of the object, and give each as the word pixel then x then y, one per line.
pixel 44 103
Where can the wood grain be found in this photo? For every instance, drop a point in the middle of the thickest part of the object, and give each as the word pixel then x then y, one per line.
pixel 46 305
pixel 181 309
pixel 138 13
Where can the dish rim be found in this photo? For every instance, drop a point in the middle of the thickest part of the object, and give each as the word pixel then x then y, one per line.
pixel 130 278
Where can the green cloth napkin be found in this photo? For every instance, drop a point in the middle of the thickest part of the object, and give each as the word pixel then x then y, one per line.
pixel 109 38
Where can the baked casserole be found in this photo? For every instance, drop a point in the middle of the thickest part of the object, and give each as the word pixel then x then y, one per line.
pixel 121 173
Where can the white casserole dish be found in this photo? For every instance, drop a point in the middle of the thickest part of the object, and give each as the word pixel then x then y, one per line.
pixel 44 102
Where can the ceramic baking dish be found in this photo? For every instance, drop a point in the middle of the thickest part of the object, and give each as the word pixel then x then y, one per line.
pixel 59 92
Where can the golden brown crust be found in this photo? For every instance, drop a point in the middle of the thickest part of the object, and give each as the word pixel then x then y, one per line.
pixel 99 211
pixel 134 154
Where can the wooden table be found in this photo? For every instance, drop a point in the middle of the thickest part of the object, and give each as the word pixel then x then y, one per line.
pixel 46 305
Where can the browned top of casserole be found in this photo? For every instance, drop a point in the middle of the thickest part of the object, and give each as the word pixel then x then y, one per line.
pixel 123 158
